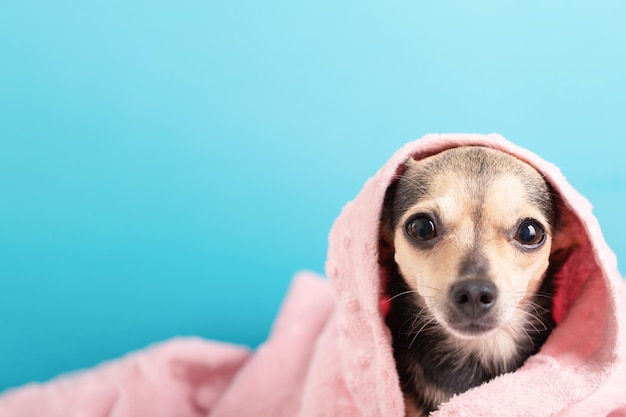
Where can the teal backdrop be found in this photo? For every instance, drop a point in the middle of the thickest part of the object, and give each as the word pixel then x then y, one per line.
pixel 165 167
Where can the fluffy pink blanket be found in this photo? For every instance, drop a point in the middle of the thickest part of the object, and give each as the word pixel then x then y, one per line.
pixel 329 352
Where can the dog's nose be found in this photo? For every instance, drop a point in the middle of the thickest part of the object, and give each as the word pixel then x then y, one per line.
pixel 474 297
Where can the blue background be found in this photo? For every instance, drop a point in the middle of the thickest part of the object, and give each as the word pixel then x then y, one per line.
pixel 165 167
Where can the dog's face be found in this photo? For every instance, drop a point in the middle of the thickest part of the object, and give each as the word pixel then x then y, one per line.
pixel 472 234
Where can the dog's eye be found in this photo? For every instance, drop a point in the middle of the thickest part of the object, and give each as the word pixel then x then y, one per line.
pixel 421 228
pixel 530 233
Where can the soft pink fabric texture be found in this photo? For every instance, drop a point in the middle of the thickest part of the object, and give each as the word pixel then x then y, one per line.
pixel 329 352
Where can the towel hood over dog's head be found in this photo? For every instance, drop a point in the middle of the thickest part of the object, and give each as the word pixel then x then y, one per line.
pixel 581 362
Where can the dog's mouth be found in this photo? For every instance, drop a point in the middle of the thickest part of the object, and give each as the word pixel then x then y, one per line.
pixel 471 328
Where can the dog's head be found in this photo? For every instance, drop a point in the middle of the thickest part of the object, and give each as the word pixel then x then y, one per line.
pixel 471 230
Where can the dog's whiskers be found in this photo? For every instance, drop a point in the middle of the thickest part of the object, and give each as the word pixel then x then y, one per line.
pixel 538 307
pixel 538 294
pixel 424 326
pixel 533 320
pixel 388 299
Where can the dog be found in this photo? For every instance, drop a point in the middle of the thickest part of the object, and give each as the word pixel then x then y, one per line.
pixel 465 247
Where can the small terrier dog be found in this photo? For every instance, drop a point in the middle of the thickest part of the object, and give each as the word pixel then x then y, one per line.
pixel 465 248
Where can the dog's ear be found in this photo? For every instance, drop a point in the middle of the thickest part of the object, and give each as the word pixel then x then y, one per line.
pixel 413 161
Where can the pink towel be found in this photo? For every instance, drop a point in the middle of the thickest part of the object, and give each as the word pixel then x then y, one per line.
pixel 329 353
